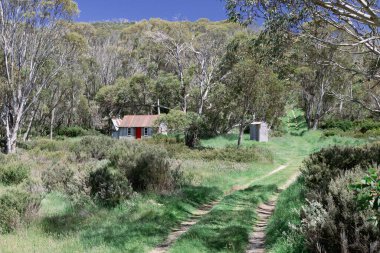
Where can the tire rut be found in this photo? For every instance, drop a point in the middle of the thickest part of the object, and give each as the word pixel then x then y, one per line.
pixel 202 211
pixel 264 212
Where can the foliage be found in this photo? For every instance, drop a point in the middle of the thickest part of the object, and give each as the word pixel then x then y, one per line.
pixel 368 193
pixel 95 147
pixel 253 92
pixel 179 123
pixel 330 220
pixel 294 122
pixel 16 205
pixel 146 167
pixel 228 152
pixel 367 125
pixel 152 171
pixel 109 186
pixel 58 177
pixel 72 131
pixel 328 163
pixel 343 125
pixel 12 172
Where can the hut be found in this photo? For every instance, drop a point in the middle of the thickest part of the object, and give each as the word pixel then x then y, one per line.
pixel 136 127
pixel 259 131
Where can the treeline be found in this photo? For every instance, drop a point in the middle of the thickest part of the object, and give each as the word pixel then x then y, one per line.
pixel 56 73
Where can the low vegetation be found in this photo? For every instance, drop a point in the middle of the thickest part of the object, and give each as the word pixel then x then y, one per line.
pixel 334 216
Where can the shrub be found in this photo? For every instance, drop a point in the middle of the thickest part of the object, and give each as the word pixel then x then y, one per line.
pixel 332 221
pixel 332 132
pixel 368 193
pixel 344 125
pixel 15 206
pixel 294 122
pixel 72 131
pixel 373 133
pixel 95 147
pixel 109 186
pixel 147 167
pixel 367 125
pixel 44 145
pixel 58 177
pixel 13 173
pixel 230 153
pixel 160 138
pixel 327 164
pixel 69 180
pixel 152 171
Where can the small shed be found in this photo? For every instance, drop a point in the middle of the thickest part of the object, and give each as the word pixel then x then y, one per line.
pixel 259 131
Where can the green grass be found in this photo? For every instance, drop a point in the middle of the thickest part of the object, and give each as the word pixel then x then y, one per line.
pixel 227 227
pixel 145 220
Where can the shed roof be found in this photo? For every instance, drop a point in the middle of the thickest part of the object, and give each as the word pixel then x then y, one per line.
pixel 136 121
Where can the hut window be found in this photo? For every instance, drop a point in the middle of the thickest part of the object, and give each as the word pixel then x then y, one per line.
pixel 129 131
pixel 145 131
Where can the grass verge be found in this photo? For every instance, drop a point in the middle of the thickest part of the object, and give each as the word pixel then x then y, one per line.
pixel 282 234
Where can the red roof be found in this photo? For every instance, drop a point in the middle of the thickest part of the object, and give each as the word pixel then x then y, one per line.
pixel 137 121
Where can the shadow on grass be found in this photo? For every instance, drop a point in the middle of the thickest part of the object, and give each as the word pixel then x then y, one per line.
pixel 136 225
pixel 227 227
pixel 228 137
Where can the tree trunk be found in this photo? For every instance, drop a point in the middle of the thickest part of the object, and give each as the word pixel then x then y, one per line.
pixel 316 123
pixel 26 134
pixel 241 133
pixel 11 133
pixel 52 123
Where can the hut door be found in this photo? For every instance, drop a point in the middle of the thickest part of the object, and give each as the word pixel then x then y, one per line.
pixel 138 132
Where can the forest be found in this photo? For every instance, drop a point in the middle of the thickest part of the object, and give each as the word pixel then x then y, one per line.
pixel 309 69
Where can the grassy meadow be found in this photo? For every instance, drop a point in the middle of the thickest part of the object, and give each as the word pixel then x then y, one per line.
pixel 144 220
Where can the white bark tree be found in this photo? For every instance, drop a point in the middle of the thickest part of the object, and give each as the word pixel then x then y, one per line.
pixel 177 49
pixel 36 45
pixel 207 50
pixel 358 19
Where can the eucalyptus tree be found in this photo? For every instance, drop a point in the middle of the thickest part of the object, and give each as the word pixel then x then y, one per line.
pixel 254 93
pixel 37 46
pixel 175 40
pixel 207 49
pixel 358 19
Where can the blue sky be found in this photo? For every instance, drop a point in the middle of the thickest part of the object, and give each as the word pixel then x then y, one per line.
pixel 134 10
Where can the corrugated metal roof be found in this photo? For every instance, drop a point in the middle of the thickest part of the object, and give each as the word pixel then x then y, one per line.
pixel 137 121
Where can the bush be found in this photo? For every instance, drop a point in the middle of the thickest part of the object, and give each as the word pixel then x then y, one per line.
pixel 58 177
pixel 294 122
pixel 367 125
pixel 332 132
pixel 327 164
pixel 152 171
pixel 72 131
pixel 109 187
pixel 95 147
pixel 344 125
pixel 44 145
pixel 147 167
pixel 15 206
pixel 332 221
pixel 13 173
